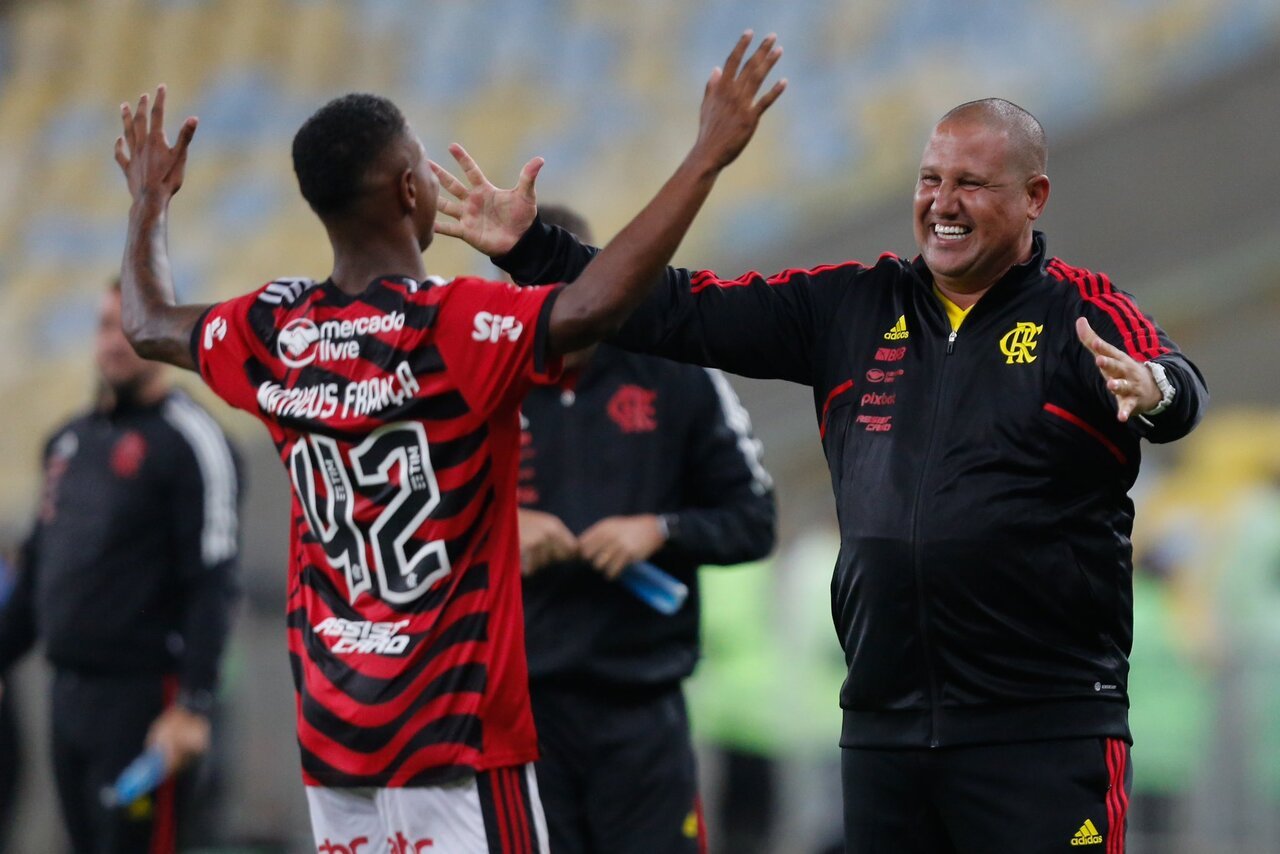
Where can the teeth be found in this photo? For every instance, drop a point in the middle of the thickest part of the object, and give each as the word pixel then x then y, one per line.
pixel 950 232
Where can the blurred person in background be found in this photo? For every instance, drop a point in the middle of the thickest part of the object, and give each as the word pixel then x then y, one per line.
pixel 10 754
pixel 394 403
pixel 127 579
pixel 981 408
pixel 626 458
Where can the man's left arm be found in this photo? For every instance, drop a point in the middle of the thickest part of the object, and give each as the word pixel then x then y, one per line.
pixel 205 501
pixel 729 515
pixel 1135 368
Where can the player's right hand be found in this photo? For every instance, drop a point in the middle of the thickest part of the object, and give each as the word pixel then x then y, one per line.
pixel 544 539
pixel 486 218
pixel 151 166
pixel 730 110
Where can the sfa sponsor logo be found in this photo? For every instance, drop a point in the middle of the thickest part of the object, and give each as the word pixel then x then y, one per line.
pixel 876 399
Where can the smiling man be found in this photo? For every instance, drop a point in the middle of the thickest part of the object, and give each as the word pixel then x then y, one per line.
pixel 981 438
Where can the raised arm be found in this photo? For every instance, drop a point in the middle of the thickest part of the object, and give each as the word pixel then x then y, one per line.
pixel 155 325
pixel 619 278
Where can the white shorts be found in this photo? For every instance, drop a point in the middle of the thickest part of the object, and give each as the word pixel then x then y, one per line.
pixel 493 812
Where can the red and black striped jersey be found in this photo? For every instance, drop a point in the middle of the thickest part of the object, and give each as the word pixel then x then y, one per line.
pixel 396 415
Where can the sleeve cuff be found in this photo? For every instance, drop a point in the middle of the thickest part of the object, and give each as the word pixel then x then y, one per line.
pixel 194 343
pixel 198 701
pixel 546 365
pixel 522 261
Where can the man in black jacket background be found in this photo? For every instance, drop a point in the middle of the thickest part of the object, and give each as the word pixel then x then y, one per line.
pixel 628 458
pixel 981 408
pixel 127 579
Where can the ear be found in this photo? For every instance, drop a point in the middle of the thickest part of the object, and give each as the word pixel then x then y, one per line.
pixel 407 191
pixel 1037 196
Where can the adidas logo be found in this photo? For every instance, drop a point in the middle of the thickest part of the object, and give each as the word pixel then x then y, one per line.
pixel 899 330
pixel 1087 834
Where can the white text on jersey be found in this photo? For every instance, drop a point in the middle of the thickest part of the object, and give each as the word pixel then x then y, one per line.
pixel 490 327
pixel 363 636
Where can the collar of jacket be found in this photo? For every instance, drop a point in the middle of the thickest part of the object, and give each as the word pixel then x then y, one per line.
pixel 1009 283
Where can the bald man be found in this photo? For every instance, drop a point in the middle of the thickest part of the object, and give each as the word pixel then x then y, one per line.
pixel 981 407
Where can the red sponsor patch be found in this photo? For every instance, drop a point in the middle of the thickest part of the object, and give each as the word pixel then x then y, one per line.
pixel 128 454
pixel 890 354
pixel 876 423
pixel 401 845
pixel 631 408
pixel 875 375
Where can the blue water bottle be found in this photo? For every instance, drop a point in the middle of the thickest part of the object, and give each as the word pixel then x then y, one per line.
pixel 142 776
pixel 654 587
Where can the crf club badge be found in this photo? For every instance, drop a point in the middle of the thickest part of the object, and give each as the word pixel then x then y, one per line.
pixel 128 454
pixel 631 408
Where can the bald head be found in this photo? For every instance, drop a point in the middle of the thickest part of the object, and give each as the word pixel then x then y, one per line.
pixel 1027 146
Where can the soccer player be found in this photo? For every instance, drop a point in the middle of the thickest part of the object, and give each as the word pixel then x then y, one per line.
pixel 982 408
pixel 627 458
pixel 393 400
pixel 127 580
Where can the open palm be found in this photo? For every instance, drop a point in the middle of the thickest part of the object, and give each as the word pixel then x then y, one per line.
pixel 488 219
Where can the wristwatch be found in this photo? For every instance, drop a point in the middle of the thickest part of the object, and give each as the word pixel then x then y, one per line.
pixel 1167 391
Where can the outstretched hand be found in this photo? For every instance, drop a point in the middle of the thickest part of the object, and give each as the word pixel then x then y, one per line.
pixel 730 110
pixel 1129 381
pixel 149 163
pixel 488 219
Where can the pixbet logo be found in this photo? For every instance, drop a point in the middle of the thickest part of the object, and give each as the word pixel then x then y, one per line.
pixel 876 399
pixel 352 847
pixel 490 327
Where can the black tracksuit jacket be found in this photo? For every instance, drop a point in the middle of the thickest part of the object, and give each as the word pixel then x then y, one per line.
pixel 129 568
pixel 984 586
pixel 629 435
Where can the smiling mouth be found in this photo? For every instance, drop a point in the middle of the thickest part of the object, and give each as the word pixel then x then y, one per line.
pixel 951 232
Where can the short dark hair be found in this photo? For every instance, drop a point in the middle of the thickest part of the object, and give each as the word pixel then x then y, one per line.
pixel 335 148
pixel 567 218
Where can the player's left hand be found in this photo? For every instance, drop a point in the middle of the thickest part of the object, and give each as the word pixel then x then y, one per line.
pixel 1129 381
pixel 182 735
pixel 149 163
pixel 486 218
pixel 613 544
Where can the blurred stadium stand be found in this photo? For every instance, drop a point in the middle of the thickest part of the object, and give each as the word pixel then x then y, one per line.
pixel 1162 115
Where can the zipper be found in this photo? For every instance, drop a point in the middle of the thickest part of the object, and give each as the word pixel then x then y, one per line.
pixel 921 600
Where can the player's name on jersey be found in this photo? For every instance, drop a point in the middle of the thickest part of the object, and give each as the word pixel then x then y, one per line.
pixel 353 399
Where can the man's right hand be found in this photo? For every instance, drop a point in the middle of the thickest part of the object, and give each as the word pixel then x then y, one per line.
pixel 151 166
pixel 730 111
pixel 544 540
